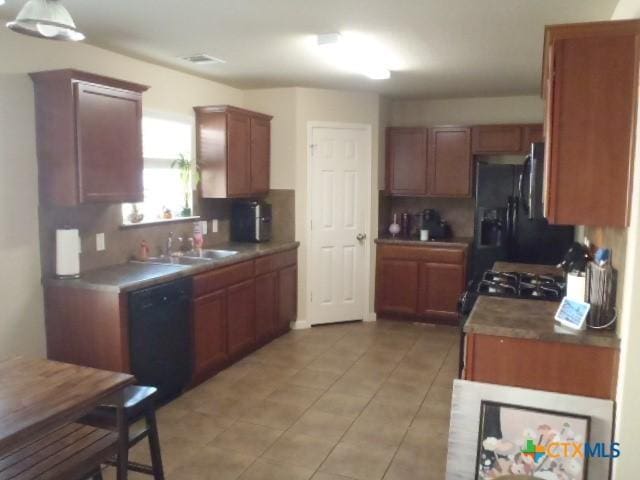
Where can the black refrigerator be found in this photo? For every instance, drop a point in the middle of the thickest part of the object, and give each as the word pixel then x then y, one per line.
pixel 508 223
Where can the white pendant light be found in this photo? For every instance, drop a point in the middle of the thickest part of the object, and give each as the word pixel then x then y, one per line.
pixel 46 19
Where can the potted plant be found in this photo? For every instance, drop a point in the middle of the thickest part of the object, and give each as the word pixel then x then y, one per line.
pixel 187 171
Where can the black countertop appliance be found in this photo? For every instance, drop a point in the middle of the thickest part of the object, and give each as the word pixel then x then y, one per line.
pixel 438 229
pixel 250 221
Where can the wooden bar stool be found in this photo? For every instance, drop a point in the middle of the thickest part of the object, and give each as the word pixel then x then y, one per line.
pixel 138 404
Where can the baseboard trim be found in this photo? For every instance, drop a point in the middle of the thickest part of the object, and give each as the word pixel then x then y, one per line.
pixel 372 317
pixel 300 324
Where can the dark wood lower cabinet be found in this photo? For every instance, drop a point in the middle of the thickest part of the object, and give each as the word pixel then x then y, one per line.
pixel 210 333
pixel 241 307
pixel 440 287
pixel 557 367
pixel 266 306
pixel 420 282
pixel 287 298
pixel 398 286
pixel 234 310
pixel 241 317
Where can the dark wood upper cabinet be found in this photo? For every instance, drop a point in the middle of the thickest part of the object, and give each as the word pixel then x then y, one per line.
pixel 434 162
pixel 533 133
pixel 450 165
pixel 407 161
pixel 89 138
pixel 590 88
pixel 233 150
pixel 497 139
pixel 260 154
pixel 239 155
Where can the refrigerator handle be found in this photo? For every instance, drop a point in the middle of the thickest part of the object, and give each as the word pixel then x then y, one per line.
pixel 526 172
pixel 512 219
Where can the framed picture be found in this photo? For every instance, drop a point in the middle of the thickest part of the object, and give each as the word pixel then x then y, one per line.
pixel 522 442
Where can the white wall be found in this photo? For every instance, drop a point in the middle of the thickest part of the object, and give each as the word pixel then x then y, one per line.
pixel 467 111
pixel 22 319
pixel 627 466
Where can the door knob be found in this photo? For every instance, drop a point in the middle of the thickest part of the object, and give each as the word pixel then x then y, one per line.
pixel 361 236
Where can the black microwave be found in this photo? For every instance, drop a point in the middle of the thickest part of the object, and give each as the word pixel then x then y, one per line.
pixel 250 221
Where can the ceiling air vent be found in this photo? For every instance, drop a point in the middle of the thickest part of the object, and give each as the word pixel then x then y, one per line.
pixel 203 59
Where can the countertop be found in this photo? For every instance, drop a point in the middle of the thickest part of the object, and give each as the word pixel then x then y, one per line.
pixel 459 242
pixel 530 319
pixel 135 275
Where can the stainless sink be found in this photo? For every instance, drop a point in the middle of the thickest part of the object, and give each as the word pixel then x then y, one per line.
pixel 181 260
pixel 211 254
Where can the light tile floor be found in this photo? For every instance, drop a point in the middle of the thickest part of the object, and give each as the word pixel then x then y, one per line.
pixel 359 401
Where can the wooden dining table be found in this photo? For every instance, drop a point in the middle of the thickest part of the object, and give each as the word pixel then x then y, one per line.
pixel 38 396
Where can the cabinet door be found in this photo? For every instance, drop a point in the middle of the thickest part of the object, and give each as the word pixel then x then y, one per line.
pixel 497 139
pixel 210 333
pixel 440 288
pixel 532 134
pixel 241 317
pixel 407 161
pixel 260 155
pixel 589 150
pixel 109 144
pixel 450 163
pixel 266 306
pixel 397 287
pixel 238 155
pixel 287 298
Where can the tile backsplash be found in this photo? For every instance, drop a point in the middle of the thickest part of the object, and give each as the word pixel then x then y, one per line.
pixel 123 242
pixel 458 212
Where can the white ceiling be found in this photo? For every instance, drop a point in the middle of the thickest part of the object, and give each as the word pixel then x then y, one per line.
pixel 442 48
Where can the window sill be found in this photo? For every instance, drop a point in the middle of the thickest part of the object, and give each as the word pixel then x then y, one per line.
pixel 162 221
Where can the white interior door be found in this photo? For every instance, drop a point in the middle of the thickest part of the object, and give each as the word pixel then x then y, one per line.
pixel 339 184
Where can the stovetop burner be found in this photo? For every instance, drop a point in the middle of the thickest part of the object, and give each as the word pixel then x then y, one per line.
pixel 521 285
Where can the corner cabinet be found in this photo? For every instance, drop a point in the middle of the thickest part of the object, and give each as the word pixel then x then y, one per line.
pixel 590 86
pixel 435 162
pixel 420 282
pixel 89 138
pixel 234 151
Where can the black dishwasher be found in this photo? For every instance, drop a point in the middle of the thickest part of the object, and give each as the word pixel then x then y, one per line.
pixel 159 337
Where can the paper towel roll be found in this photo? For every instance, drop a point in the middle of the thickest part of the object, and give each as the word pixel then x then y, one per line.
pixel 576 286
pixel 68 253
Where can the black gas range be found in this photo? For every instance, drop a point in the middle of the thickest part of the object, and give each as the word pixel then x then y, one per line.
pixel 522 285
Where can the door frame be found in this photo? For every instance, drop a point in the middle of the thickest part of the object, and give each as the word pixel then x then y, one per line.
pixel 366 284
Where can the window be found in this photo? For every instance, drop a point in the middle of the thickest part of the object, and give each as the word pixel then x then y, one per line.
pixel 164 139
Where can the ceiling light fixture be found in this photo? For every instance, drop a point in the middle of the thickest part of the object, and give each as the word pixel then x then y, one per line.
pixel 46 19
pixel 355 54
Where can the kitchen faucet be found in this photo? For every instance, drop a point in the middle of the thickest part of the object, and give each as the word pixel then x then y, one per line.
pixel 169 245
